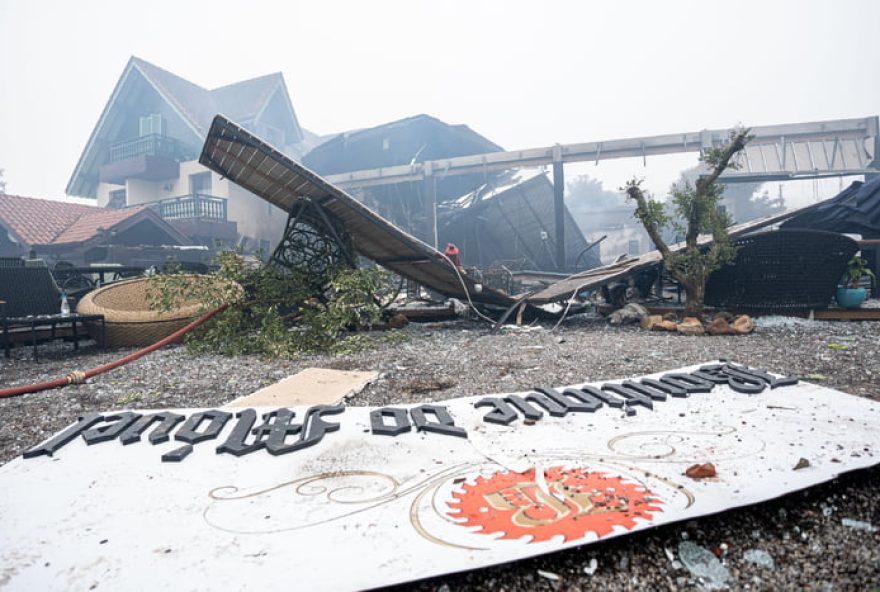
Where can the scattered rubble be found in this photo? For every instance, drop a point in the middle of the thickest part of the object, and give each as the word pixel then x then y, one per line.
pixel 591 568
pixel 801 464
pixel 477 360
pixel 859 525
pixel 631 313
pixel 759 558
pixel 701 563
pixel 701 471
pixel 691 326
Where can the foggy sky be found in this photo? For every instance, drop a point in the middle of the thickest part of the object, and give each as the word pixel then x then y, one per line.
pixel 524 74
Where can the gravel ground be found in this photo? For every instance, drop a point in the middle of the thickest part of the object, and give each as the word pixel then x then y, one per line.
pixel 802 532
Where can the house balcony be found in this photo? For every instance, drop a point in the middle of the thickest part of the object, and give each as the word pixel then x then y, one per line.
pixel 153 157
pixel 203 218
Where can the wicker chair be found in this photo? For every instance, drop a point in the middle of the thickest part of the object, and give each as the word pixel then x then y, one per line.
pixel 129 319
pixel 782 270
pixel 31 302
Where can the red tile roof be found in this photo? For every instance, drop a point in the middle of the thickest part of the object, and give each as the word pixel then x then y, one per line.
pixel 88 225
pixel 44 221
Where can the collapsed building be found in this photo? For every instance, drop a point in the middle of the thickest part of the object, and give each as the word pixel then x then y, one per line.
pixel 496 218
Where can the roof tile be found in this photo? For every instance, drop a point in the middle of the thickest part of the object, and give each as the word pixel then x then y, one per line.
pixel 44 221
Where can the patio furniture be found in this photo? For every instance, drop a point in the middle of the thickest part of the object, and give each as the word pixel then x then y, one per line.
pixel 32 303
pixel 782 270
pixel 130 321
pixel 11 262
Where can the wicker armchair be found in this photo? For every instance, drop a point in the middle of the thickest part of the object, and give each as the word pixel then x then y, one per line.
pixel 130 321
pixel 782 270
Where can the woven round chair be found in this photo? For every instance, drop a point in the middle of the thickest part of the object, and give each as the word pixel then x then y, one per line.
pixel 129 319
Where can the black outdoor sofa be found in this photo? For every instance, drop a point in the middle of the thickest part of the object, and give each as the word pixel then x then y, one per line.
pixel 31 301
pixel 781 271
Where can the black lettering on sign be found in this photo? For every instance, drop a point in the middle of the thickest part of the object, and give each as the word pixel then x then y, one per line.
pixel 672 391
pixel 556 408
pixel 189 431
pixel 606 398
pixel 550 400
pixel 312 430
pixel 691 384
pixel 236 444
pixel 118 422
pixel 529 412
pixel 713 373
pixel 178 454
pixel 378 425
pixel 765 376
pixel 501 413
pixel 162 432
pixel 654 394
pixel 633 397
pixel 276 426
pixel 724 374
pixel 580 401
pixel 444 425
pixel 52 445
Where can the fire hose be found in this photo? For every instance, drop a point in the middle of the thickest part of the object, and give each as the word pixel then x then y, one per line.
pixel 79 377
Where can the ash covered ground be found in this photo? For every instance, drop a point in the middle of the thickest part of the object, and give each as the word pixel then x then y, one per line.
pixel 802 532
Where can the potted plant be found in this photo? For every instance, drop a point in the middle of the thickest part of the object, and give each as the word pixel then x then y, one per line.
pixel 850 295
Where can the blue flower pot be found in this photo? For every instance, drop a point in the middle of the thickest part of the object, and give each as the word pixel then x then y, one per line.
pixel 851 297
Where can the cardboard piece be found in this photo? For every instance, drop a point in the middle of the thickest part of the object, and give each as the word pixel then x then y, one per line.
pixel 312 386
pixel 353 509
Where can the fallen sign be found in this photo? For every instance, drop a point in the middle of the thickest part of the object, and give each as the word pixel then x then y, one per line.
pixel 409 491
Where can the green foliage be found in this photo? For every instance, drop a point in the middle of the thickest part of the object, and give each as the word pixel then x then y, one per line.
pixel 856 269
pixel 276 313
pixel 697 211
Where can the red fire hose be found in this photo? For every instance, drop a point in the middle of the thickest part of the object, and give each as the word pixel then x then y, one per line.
pixel 79 377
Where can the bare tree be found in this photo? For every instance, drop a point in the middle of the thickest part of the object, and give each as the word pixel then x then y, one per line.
pixel 697 206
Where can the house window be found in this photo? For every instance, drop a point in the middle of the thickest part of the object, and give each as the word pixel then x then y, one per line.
pixel 386 143
pixel 117 199
pixel 152 124
pixel 200 183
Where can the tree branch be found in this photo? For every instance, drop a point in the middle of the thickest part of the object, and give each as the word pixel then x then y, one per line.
pixel 737 143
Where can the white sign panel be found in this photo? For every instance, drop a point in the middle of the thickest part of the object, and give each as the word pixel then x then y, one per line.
pixel 327 498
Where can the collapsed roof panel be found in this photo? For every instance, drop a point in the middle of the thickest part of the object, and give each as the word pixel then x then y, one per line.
pixel 855 210
pixel 243 158
pixel 601 276
pixel 512 223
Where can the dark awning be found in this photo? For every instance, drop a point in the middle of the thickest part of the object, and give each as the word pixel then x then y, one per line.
pixel 855 210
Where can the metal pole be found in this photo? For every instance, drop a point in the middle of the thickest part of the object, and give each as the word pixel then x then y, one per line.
pixel 559 206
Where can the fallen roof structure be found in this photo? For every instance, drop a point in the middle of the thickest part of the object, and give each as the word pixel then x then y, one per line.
pixel 238 155
pixel 243 158
pixel 511 221
pixel 601 276
pixel 855 210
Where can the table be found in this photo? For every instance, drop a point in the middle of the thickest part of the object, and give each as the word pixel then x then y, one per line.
pixel 52 321
pixel 64 275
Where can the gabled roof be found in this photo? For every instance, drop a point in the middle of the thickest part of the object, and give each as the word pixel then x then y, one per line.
pixel 195 105
pixel 33 221
pixel 38 221
pixel 424 138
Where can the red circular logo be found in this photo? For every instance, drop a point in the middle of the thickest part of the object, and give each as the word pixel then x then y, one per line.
pixel 576 501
